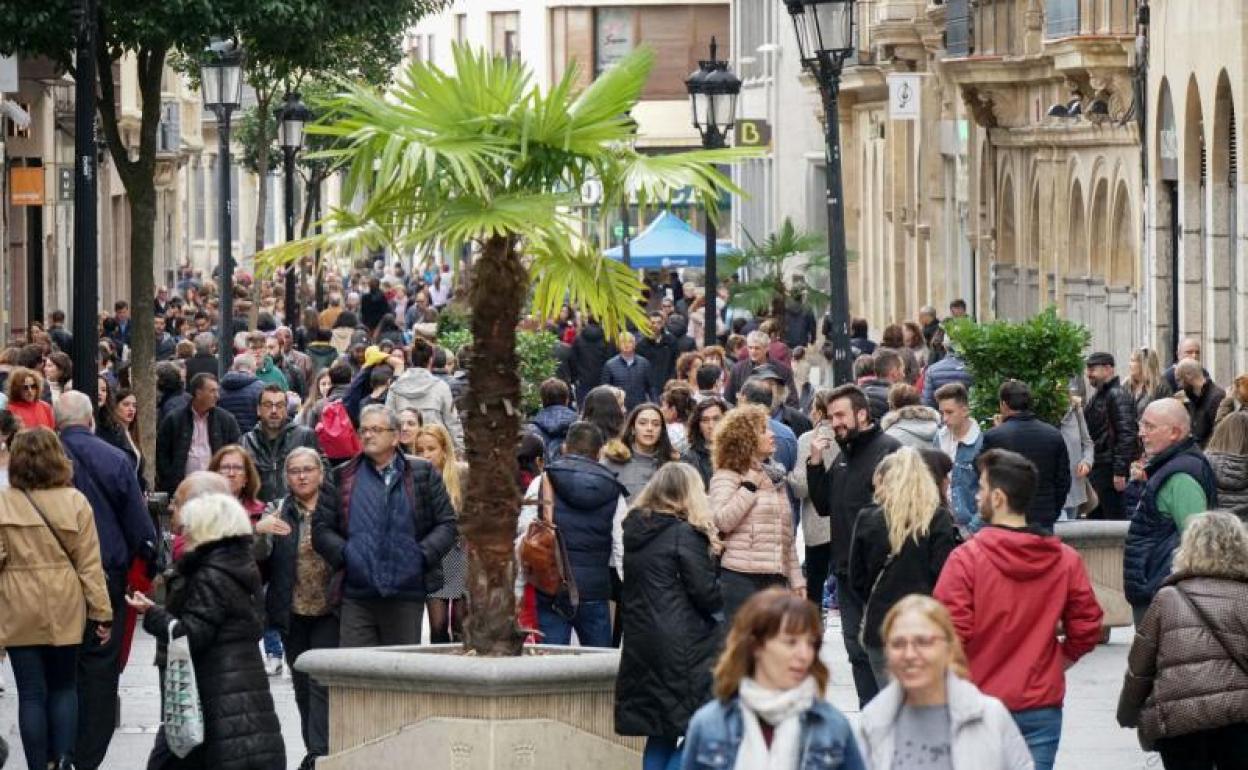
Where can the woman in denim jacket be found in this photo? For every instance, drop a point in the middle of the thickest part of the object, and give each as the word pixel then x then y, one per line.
pixel 769 712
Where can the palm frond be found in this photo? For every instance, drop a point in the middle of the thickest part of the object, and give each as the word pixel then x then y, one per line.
pixel 597 285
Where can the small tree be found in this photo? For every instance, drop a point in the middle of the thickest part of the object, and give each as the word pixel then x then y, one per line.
pixel 778 267
pixel 1044 351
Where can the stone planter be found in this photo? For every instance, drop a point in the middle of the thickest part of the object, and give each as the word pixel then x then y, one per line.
pixel 428 707
pixel 1099 544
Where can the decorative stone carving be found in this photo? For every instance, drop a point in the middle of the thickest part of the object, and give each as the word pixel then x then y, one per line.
pixel 996 107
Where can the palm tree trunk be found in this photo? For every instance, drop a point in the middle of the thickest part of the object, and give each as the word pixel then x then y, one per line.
pixel 492 433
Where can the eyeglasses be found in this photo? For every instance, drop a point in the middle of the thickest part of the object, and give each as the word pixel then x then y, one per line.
pixel 920 643
pixel 231 468
pixel 308 471
pixel 374 431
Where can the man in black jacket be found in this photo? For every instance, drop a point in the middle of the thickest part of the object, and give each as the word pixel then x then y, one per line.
pixel 659 348
pixel 841 493
pixel 190 435
pixel 1020 431
pixel 590 351
pixel 1204 396
pixel 1110 414
pixel 272 440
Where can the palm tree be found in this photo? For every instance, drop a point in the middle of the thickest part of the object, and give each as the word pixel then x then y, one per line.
pixel 483 156
pixel 780 254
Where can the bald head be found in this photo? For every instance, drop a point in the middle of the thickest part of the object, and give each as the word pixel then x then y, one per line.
pixel 1165 423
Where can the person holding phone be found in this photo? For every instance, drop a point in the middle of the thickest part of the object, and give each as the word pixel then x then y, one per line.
pixel 816 529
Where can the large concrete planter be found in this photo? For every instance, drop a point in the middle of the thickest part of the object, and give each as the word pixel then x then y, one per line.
pixel 1099 544
pixel 429 707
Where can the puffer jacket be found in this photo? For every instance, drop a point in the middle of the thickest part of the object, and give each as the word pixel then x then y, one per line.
pixel 983 735
pixel 1111 418
pixel 631 468
pixel 240 396
pixel 1179 678
pixel 551 424
pixel 913 426
pixel 876 391
pixel 949 369
pixel 214 595
pixel 418 389
pixel 671 611
pixel 756 527
pixel 1231 471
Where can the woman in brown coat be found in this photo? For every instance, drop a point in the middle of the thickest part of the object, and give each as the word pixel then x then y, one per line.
pixel 751 509
pixel 1186 686
pixel 51 584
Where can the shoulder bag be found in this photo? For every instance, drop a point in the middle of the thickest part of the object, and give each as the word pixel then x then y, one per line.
pixel 51 529
pixel 1228 649
pixel 544 555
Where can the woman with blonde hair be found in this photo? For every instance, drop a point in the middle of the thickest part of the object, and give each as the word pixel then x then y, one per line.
pixel 931 709
pixel 670 608
pixel 1144 381
pixel 769 712
pixel 1186 687
pixel 899 546
pixel 1227 453
pixel 751 510
pixel 445 606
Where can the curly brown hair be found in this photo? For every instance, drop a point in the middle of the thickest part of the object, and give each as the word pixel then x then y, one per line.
pixel 37 460
pixel 18 378
pixel 736 438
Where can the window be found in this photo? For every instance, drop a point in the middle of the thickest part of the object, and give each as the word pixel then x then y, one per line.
pixel 461 28
pixel 505 34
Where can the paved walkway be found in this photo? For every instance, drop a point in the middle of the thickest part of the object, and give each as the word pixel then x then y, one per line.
pixel 1090 736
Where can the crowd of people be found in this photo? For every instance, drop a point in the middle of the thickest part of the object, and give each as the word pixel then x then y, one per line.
pixel 716 504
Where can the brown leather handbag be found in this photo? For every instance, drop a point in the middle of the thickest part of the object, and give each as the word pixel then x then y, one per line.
pixel 543 554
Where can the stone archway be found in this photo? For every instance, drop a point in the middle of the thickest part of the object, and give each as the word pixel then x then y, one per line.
pixel 1165 272
pixel 1015 285
pixel 1224 304
pixel 1075 297
pixel 1121 305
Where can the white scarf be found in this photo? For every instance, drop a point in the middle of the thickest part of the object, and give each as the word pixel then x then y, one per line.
pixel 781 708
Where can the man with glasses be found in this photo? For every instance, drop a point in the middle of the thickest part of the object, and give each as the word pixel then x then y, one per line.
pixel 273 439
pixel 1170 483
pixel 386 523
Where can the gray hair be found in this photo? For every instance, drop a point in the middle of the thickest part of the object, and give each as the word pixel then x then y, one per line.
pixel 757 337
pixel 1215 544
pixel 213 517
pixel 204 342
pixel 392 419
pixel 200 483
pixel 303 451
pixel 72 409
pixel 244 363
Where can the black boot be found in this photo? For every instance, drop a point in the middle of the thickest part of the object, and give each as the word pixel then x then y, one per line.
pixel 64 763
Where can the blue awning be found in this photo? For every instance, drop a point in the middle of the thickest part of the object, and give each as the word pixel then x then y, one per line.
pixel 667 242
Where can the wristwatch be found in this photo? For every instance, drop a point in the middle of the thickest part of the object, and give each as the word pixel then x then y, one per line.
pixel 750 485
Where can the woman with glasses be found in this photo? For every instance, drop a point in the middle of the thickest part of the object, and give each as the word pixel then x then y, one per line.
pixel 297 603
pixel 931 715
pixel 25 390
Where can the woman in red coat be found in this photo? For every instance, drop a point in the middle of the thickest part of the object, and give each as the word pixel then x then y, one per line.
pixel 25 391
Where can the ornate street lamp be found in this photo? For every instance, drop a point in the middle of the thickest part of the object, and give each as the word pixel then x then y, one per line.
pixel 825 40
pixel 713 91
pixel 291 119
pixel 221 82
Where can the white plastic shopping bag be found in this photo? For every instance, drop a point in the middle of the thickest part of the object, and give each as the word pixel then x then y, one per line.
pixel 183 715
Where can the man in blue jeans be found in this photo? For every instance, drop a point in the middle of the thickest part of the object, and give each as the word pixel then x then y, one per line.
pixel 588 505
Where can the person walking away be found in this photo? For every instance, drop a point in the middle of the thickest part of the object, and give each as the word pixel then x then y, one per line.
pixel 1186 686
pixel 1203 398
pixel 1227 454
pixel 1111 418
pixel 840 493
pixel 816 531
pixel 671 611
pixel 1021 432
pixel 590 351
pixel 552 421
pixel 297 602
pixel 240 391
pixel 52 587
pixel 214 598
pixel 769 711
pixel 446 605
pixel 751 511
pixel 961 439
pixel 1007 589
pixel 930 714
pixel 1169 484
pixel 907 420
pixel 102 473
pixel 900 545
pixel 385 523
pixel 417 388
pixel 888 370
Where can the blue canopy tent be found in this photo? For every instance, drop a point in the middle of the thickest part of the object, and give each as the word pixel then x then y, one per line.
pixel 668 242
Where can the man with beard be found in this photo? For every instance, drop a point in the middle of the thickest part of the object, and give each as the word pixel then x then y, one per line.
pixel 1110 414
pixel 1007 590
pixel 840 493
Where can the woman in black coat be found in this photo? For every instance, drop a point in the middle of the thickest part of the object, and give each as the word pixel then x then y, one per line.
pixel 705 416
pixel 671 611
pixel 214 595
pixel 900 544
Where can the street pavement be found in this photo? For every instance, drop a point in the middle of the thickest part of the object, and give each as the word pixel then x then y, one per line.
pixel 1091 737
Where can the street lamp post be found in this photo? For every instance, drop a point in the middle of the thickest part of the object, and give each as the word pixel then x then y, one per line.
pixel 825 39
pixel 713 90
pixel 221 81
pixel 85 348
pixel 292 118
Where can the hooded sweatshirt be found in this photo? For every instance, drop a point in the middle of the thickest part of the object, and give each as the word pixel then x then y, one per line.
pixel 1007 590
pixel 913 426
pixel 418 389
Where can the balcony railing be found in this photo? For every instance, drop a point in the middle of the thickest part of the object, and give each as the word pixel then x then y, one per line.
pixel 958 29
pixel 1062 18
pixel 1068 18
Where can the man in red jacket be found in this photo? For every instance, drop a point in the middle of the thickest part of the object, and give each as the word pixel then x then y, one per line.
pixel 1007 589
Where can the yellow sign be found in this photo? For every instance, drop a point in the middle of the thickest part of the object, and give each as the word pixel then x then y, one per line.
pixel 753 133
pixel 26 185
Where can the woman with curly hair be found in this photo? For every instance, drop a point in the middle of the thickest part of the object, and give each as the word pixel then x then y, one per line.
pixel 25 390
pixel 642 448
pixel 752 511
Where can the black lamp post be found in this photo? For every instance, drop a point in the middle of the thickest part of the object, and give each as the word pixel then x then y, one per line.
pixel 221 81
pixel 713 90
pixel 292 117
pixel 85 348
pixel 825 39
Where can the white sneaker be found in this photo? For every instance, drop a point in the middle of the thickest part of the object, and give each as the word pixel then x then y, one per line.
pixel 273 665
